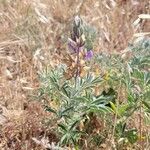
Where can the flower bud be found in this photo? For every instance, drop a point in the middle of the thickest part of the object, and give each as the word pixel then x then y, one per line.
pixel 77 21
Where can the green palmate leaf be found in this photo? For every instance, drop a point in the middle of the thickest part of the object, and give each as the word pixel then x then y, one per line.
pixel 64 115
pixel 147 78
pixel 131 135
pixel 98 101
pixel 65 92
pixel 50 110
pixel 63 127
pixel 97 80
pixel 73 141
pixel 82 99
pixel 67 110
pixel 64 139
pixel 98 108
pixel 120 129
pixel 146 104
pixel 137 74
pixel 54 83
pixel 77 132
pixel 102 100
pixel 73 125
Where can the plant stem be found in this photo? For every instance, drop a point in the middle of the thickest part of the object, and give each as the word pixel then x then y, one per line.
pixel 116 115
pixel 141 143
pixel 78 63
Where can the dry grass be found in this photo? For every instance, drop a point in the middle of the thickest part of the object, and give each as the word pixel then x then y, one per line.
pixel 30 32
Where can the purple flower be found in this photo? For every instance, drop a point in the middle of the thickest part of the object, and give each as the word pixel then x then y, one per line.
pixel 81 48
pixel 73 46
pixel 89 55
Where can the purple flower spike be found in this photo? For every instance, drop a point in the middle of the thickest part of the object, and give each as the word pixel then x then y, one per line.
pixel 73 46
pixel 81 48
pixel 89 55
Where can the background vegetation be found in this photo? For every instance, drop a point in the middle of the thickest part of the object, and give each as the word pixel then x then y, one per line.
pixel 45 105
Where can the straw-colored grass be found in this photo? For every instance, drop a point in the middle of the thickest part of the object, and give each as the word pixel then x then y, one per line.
pixel 30 32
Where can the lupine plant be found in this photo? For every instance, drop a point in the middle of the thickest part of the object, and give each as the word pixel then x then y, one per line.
pixel 132 76
pixel 78 100
pixel 76 96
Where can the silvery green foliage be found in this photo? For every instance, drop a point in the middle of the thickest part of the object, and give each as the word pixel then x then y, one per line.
pixel 141 53
pixel 75 102
pixel 140 63
pixel 77 99
pixel 136 76
pixel 141 44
